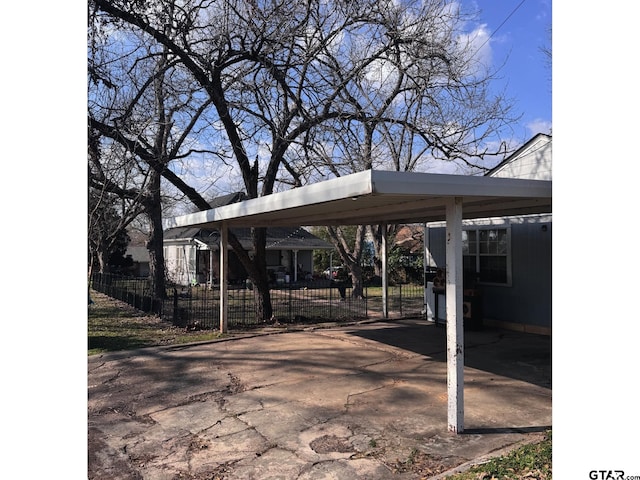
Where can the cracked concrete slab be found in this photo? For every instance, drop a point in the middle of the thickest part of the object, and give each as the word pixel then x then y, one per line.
pixel 274 464
pixel 360 401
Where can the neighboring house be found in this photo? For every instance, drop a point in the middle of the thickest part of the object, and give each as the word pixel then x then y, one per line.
pixel 192 254
pixel 140 257
pixel 139 254
pixel 506 260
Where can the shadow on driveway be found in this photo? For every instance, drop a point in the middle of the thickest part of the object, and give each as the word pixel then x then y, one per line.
pixel 517 355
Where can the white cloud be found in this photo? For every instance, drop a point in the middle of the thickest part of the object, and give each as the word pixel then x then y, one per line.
pixel 381 73
pixel 539 126
pixel 479 43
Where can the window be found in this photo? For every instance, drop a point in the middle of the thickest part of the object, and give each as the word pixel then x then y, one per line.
pixel 486 256
pixel 180 259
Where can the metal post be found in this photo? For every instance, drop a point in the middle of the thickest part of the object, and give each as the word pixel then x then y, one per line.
pixel 224 259
pixel 385 282
pixel 366 301
pixel 244 305
pixel 210 268
pixel 455 333
pixel 330 267
pixel 330 294
pixel 426 263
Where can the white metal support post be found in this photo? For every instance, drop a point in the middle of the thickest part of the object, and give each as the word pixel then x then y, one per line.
pixel 427 262
pixel 224 260
pixel 385 281
pixel 210 268
pixel 455 331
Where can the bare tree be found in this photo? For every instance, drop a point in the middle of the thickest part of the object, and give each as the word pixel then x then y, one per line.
pixel 141 103
pixel 286 79
pixel 422 100
pixel 109 215
pixel 110 210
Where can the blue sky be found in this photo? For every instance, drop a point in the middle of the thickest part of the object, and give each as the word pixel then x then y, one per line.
pixel 518 29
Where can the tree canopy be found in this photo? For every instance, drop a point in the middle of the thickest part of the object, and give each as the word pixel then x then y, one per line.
pixel 277 94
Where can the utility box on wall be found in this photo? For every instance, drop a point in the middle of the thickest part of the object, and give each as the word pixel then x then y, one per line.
pixel 471 308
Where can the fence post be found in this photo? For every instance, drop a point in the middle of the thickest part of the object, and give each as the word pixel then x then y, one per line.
pixel 366 301
pixel 244 304
pixel 175 306
pixel 400 298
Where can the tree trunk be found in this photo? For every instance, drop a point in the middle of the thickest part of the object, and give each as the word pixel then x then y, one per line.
pixel 256 269
pixel 91 262
pixel 262 296
pixel 264 309
pixel 153 210
pixel 156 262
pixel 356 280
pixel 351 257
pixel 376 235
pixel 103 265
pixel 376 232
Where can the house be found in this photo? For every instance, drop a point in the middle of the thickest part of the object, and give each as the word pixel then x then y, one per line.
pixel 188 259
pixel 506 260
pixel 138 253
pixel 532 161
pixel 289 253
pixel 192 254
pixel 140 257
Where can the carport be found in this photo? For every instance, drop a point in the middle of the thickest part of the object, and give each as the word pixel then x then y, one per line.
pixel 384 197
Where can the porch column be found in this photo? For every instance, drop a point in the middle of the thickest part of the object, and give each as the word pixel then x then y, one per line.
pixel 455 332
pixel 224 260
pixel 295 266
pixel 385 282
pixel 427 261
pixel 210 268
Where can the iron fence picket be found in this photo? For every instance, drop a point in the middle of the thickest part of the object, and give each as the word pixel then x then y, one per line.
pixel 199 306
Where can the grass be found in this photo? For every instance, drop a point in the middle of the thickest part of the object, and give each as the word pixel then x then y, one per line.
pixel 113 325
pixel 532 461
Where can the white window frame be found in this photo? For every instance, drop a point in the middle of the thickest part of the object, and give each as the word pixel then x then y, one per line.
pixel 179 249
pixel 478 228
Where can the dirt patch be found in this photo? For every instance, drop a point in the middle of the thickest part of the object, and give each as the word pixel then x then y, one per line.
pixel 330 444
pixel 105 462
pixel 426 465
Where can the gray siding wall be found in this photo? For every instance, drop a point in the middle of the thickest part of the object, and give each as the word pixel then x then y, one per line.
pixel 528 299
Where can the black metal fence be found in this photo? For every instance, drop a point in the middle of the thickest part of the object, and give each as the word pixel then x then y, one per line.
pixel 309 302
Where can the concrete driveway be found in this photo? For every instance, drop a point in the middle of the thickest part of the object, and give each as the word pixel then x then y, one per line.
pixel 360 401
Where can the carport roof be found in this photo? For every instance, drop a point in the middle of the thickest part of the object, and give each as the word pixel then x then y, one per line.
pixel 375 197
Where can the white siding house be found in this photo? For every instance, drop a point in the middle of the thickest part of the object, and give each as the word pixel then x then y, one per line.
pixel 192 254
pixel 531 161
